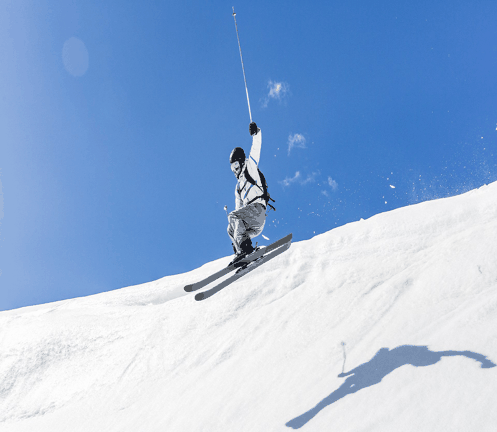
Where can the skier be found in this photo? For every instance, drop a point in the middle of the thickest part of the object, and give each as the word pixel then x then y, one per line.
pixel 248 219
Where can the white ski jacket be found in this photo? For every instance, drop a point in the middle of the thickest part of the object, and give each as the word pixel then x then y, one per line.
pixel 246 192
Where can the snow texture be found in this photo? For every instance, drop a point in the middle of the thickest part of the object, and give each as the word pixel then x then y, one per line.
pixel 385 324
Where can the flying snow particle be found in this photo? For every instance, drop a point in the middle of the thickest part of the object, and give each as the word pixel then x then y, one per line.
pixel 392 186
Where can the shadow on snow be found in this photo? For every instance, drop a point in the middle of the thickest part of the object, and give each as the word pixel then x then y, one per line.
pixel 384 362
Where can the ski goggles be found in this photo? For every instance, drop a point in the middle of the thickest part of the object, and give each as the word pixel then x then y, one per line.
pixel 235 166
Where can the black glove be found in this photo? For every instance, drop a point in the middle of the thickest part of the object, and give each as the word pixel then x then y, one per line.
pixel 253 129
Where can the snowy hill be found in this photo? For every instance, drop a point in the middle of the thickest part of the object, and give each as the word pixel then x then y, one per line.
pixel 387 324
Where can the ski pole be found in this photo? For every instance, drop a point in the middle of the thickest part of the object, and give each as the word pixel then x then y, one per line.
pixel 243 69
pixel 344 357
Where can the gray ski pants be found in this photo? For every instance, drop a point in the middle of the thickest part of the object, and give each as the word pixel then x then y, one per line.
pixel 247 222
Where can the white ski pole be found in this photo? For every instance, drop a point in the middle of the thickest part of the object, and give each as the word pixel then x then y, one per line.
pixel 243 69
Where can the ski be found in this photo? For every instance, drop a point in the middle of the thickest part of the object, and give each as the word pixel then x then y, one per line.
pixel 242 271
pixel 249 258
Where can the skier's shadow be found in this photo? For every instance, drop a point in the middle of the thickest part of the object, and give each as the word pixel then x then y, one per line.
pixel 384 362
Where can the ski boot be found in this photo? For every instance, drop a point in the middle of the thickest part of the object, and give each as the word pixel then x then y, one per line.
pixel 246 248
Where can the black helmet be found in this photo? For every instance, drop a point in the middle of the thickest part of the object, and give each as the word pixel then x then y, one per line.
pixel 237 155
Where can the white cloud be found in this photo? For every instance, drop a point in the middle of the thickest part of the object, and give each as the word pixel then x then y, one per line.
pixel 289 180
pixel 332 183
pixel 297 178
pixel 311 178
pixel 277 91
pixel 296 140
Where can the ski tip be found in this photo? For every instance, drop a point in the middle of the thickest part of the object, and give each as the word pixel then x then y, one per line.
pixel 288 237
pixel 188 288
pixel 199 296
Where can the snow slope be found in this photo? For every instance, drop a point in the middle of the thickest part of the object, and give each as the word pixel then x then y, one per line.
pixel 386 324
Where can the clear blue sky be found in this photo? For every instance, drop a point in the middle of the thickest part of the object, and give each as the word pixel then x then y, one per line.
pixel 117 120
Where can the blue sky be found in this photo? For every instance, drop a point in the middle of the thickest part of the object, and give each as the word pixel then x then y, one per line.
pixel 117 120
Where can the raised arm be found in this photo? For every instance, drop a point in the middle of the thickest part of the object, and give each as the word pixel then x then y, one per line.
pixel 255 151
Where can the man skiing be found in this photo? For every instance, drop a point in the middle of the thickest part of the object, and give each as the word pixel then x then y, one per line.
pixel 248 219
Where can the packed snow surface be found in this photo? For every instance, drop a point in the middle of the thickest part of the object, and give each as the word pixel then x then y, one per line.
pixel 386 324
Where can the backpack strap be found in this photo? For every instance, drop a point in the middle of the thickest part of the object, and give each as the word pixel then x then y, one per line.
pixel 252 182
pixel 265 195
